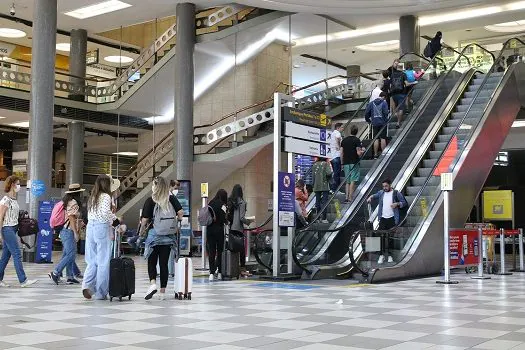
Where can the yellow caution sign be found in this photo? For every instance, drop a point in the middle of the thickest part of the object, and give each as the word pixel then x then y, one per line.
pixel 424 207
pixel 498 205
pixel 204 190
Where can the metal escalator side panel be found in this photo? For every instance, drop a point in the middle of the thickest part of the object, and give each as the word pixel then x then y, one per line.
pixel 425 255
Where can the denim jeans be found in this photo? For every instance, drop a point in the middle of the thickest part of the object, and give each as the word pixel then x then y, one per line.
pixel 320 200
pixel 336 178
pixel 69 254
pixel 98 255
pixel 11 247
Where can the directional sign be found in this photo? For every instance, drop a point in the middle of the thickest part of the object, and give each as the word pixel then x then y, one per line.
pixel 308 148
pixel 306 118
pixel 307 133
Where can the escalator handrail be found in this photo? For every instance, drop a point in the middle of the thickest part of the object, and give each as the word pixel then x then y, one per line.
pixel 343 183
pixel 262 225
pixel 458 127
pixel 256 253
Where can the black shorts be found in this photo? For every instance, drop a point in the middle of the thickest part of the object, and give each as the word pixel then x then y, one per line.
pixel 377 131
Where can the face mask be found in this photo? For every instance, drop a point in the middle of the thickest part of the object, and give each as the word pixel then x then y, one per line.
pixel 17 188
pixel 175 192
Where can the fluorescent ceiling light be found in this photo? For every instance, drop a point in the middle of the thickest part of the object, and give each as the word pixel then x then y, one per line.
pixel 507 27
pixel 20 124
pixel 380 46
pixel 97 9
pixel 63 47
pixel 130 154
pixel 118 59
pixel 11 33
pixel 518 124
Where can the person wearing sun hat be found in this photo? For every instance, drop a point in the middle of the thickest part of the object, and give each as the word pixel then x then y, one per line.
pixel 69 235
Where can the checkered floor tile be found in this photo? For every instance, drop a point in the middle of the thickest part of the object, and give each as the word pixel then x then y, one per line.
pixel 250 314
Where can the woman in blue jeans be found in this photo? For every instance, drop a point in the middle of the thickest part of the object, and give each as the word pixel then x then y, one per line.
pixel 69 235
pixel 99 237
pixel 8 237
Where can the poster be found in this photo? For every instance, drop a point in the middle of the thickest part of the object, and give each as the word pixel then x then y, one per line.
pixel 463 247
pixel 44 238
pixel 497 205
pixel 286 200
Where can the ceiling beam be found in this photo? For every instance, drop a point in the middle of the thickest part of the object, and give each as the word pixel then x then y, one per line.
pixel 337 21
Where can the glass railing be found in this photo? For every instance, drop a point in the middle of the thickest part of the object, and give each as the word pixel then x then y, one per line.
pixel 402 237
pixel 310 245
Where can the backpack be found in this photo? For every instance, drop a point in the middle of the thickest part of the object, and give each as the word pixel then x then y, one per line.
pixel 427 52
pixel 206 216
pixel 164 221
pixel 26 226
pixel 398 82
pixel 377 115
pixel 402 211
pixel 58 216
pixel 411 76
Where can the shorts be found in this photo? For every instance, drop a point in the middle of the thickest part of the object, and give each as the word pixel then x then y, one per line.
pixel 399 102
pixel 352 172
pixel 377 131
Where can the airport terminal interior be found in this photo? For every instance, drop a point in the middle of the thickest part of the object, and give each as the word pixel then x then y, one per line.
pixel 330 174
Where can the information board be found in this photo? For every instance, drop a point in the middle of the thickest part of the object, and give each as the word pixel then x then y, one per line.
pixel 464 247
pixel 497 205
pixel 307 148
pixel 44 238
pixel 286 200
pixel 303 117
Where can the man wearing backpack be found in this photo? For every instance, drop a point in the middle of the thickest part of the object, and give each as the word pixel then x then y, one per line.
pixel 376 114
pixel 391 210
pixel 399 82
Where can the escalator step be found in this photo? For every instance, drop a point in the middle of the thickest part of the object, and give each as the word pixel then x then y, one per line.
pixel 429 163
pixel 419 181
pixel 475 108
pixel 469 121
pixel 484 93
pixel 479 99
pixel 435 154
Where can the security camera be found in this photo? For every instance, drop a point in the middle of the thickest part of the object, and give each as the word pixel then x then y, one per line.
pixel 12 10
pixel 353 51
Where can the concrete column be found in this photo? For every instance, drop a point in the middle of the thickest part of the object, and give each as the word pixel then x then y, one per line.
pixel 408 34
pixel 75 153
pixel 77 62
pixel 42 102
pixel 184 75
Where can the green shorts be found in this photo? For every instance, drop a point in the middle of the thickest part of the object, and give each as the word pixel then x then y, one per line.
pixel 353 171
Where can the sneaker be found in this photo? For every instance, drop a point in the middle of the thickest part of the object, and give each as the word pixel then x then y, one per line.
pixel 212 277
pixel 390 260
pixel 219 277
pixel 54 277
pixel 72 281
pixel 381 259
pixel 151 291
pixel 162 296
pixel 27 283
pixel 86 293
pixel 4 285
pixel 79 277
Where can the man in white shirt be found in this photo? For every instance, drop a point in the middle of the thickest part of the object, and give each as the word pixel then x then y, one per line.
pixel 336 155
pixel 388 212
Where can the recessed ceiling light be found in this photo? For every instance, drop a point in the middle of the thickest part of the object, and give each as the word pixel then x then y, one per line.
pixel 129 154
pixel 118 59
pixel 63 47
pixel 11 33
pixel 97 9
pixel 380 46
pixel 297 66
pixel 20 124
pixel 507 27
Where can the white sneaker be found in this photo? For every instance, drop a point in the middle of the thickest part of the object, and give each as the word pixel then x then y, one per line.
pixel 212 277
pixel 390 260
pixel 219 277
pixel 151 291
pixel 27 283
pixel 4 285
pixel 381 259
pixel 162 296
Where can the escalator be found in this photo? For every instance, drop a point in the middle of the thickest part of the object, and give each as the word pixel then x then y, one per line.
pixel 323 251
pixel 464 141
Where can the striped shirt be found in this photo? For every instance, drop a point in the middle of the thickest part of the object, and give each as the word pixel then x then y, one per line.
pixel 11 214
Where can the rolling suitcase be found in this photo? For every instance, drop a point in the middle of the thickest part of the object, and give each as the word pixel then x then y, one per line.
pixel 367 224
pixel 121 273
pixel 230 261
pixel 183 275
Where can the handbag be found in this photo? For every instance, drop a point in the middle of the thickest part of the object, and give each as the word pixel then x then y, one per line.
pixel 235 241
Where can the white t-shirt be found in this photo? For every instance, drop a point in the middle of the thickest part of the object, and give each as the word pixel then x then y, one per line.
pixel 11 214
pixel 336 148
pixel 388 199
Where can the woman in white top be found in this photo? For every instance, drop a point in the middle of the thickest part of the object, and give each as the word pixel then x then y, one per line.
pixel 99 236
pixel 8 237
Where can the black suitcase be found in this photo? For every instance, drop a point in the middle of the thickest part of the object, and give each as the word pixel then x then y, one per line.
pixel 121 274
pixel 230 261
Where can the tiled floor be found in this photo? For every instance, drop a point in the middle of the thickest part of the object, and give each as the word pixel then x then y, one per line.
pixel 236 315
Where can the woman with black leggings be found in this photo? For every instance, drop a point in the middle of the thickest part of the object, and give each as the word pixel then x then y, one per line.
pixel 215 233
pixel 161 210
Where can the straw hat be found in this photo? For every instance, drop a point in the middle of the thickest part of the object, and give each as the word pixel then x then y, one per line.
pixel 115 183
pixel 74 188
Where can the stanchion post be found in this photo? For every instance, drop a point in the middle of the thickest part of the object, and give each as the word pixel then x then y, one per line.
pixel 520 251
pixel 502 253
pixel 204 195
pixel 446 230
pixel 248 248
pixel 480 257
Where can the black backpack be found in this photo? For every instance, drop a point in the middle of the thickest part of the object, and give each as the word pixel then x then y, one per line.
pixel 427 52
pixel 398 82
